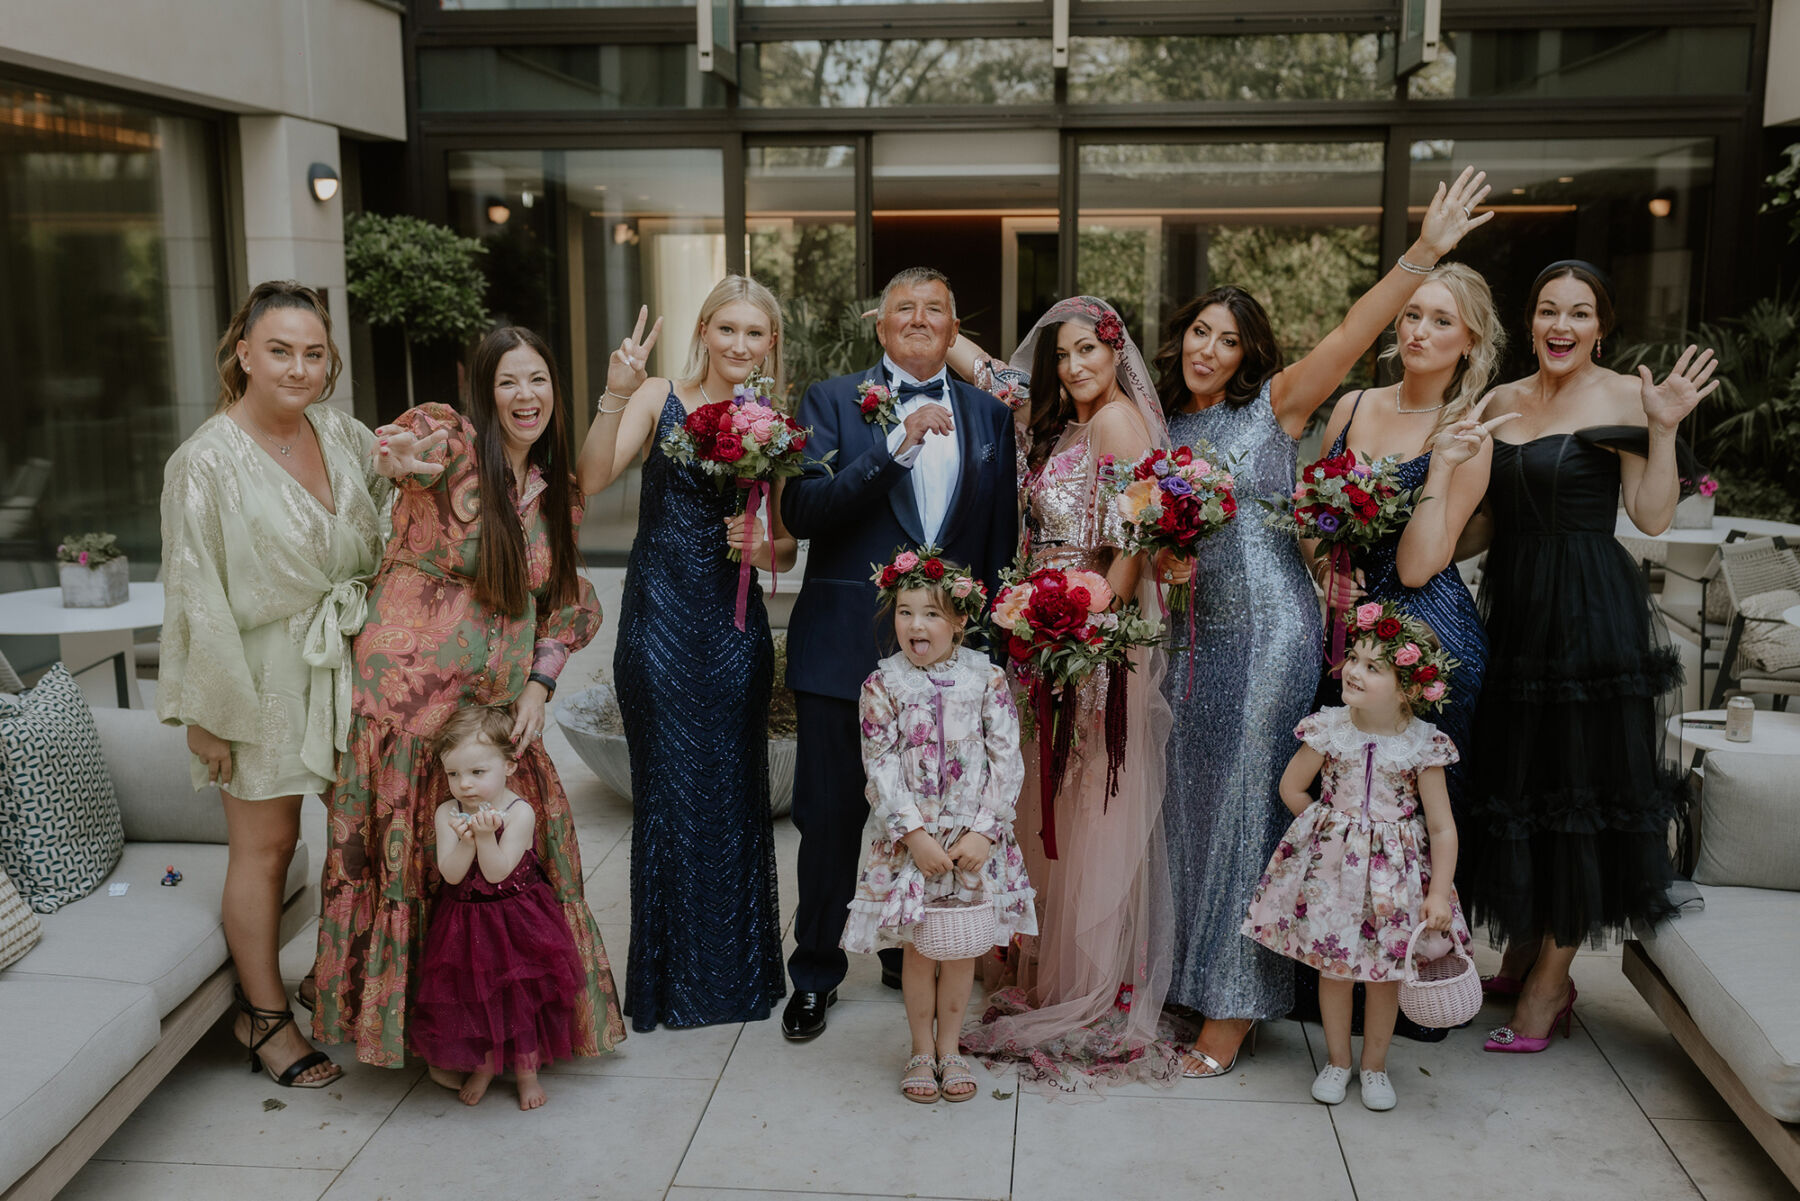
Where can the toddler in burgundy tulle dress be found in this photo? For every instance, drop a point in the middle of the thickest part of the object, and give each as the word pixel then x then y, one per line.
pixel 501 976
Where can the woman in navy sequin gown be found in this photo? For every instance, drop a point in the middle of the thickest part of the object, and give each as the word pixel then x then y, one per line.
pixel 693 688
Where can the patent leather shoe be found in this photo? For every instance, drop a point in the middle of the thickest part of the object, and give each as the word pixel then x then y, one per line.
pixel 804 1017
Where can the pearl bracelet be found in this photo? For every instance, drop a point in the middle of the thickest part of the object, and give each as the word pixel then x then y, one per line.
pixel 600 406
pixel 1414 268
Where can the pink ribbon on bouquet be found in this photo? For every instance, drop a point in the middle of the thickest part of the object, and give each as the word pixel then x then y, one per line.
pixel 758 491
pixel 1339 559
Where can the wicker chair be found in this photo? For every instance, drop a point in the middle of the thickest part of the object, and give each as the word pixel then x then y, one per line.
pixel 1750 568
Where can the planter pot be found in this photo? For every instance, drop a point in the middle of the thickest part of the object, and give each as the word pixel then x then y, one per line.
pixel 95 587
pixel 1695 513
pixel 610 759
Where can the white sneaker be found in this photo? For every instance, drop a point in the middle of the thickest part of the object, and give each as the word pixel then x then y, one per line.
pixel 1377 1091
pixel 1331 1084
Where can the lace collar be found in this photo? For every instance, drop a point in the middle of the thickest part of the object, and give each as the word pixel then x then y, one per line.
pixel 1338 737
pixel 905 680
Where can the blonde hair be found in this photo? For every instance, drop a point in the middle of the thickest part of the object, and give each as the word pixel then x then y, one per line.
pixel 270 294
pixel 1474 302
pixel 726 291
pixel 477 723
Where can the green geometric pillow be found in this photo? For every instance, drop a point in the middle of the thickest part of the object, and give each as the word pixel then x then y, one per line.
pixel 60 831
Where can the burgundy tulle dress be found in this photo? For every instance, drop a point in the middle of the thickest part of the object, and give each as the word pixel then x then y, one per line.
pixel 501 976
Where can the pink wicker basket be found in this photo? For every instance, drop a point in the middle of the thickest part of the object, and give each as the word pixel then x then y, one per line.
pixel 956 929
pixel 1443 992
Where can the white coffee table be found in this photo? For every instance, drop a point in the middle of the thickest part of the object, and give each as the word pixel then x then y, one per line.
pixel 87 638
pixel 1771 733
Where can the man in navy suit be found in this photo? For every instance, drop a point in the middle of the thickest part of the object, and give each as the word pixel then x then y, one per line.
pixel 943 473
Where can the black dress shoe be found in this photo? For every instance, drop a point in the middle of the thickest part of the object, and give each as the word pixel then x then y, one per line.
pixel 890 976
pixel 804 1017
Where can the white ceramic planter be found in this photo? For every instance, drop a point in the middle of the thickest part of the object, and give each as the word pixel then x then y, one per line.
pixel 1695 513
pixel 95 587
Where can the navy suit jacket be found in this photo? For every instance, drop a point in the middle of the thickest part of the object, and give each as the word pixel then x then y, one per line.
pixel 858 514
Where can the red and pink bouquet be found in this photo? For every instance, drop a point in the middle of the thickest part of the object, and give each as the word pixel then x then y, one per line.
pixel 744 443
pixel 1170 500
pixel 1058 626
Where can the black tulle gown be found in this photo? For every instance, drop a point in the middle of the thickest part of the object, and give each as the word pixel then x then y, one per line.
pixel 1571 802
pixel 694 692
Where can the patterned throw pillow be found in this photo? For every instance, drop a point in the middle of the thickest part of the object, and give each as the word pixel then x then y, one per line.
pixel 19 926
pixel 1770 644
pixel 60 831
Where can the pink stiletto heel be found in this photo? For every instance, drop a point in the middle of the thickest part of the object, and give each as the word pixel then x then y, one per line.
pixel 1501 986
pixel 1506 1040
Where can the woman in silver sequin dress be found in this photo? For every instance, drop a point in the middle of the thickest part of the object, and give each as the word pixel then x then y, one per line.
pixel 1258 637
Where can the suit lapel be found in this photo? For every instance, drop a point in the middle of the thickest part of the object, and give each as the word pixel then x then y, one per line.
pixel 901 497
pixel 968 467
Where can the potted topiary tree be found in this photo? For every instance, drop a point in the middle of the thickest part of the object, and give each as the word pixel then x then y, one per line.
pixel 419 277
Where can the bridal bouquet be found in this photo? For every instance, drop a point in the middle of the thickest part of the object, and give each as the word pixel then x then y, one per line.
pixel 1170 500
pixel 744 443
pixel 1058 628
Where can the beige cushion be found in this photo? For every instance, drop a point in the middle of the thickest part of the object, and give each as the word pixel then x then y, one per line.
pixel 1771 644
pixel 168 939
pixel 148 762
pixel 19 926
pixel 67 1043
pixel 1750 821
pixel 1735 965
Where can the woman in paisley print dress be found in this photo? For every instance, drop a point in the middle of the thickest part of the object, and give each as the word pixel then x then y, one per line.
pixel 464 612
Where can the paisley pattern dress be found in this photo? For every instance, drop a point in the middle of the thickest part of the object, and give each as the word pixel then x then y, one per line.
pixel 941 751
pixel 430 648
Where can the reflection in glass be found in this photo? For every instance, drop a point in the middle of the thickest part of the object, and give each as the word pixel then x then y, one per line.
pixel 1638 207
pixel 1296 224
pixel 522 5
pixel 110 253
pixel 1273 66
pixel 1693 60
pixel 563 78
pixel 879 74
pixel 800 229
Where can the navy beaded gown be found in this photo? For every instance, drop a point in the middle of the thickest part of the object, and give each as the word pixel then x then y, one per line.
pixel 694 692
pixel 1443 602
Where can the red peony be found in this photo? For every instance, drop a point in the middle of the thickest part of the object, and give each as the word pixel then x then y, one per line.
pixel 1387 627
pixel 798 444
pixel 1017 647
pixel 1047 581
pixel 1110 330
pixel 1081 596
pixel 728 447
pixel 1228 503
pixel 1056 614
pixel 1356 495
pixel 934 569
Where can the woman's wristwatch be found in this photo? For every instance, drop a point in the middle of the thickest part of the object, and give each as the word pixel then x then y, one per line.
pixel 538 677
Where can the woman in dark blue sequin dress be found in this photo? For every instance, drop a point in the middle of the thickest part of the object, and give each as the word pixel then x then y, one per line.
pixel 693 688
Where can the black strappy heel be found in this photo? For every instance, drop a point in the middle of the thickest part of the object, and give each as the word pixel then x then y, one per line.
pixel 266 1024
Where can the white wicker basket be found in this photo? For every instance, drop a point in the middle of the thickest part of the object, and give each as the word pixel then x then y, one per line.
pixel 1442 993
pixel 956 929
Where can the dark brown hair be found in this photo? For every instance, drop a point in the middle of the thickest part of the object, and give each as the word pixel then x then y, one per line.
pixel 1256 337
pixel 502 577
pixel 270 294
pixel 1052 407
pixel 476 723
pixel 1586 273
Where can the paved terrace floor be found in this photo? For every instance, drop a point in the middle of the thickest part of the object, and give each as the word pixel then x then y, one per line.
pixel 734 1113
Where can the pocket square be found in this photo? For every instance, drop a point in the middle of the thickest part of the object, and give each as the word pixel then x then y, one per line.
pixel 990 452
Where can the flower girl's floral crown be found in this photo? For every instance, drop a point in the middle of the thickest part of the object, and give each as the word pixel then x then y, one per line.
pixel 926 568
pixel 1408 643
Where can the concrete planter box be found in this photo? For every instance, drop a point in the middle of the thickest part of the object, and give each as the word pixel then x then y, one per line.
pixel 1695 513
pixel 95 587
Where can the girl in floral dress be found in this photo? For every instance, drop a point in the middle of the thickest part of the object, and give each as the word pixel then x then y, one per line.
pixel 940 744
pixel 1360 868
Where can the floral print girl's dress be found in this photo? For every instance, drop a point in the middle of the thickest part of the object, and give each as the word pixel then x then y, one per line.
pixel 1348 880
pixel 941 751
pixel 430 648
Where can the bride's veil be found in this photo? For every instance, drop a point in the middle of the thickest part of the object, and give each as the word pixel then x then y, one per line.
pixel 1104 320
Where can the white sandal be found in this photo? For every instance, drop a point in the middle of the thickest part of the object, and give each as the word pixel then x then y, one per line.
pixel 911 1077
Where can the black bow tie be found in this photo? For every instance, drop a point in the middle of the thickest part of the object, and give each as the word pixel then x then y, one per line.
pixel 931 388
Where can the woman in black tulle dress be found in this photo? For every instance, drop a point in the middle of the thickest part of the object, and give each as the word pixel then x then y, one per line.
pixel 694 688
pixel 1569 813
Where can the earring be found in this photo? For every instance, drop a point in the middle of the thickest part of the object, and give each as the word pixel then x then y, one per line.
pixel 1599 350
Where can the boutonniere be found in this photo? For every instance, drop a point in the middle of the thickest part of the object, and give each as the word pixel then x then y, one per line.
pixel 876 402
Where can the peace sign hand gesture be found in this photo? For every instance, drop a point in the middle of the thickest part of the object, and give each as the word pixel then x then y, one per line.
pixel 625 370
pixel 1665 404
pixel 400 452
pixel 1460 441
pixel 1451 212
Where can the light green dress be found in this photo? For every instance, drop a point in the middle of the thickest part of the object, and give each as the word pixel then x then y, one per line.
pixel 263 589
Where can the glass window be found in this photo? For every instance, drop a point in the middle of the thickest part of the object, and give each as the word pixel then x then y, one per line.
pixel 800 240
pixel 1638 207
pixel 111 253
pixel 454 6
pixel 1693 60
pixel 1296 224
pixel 1273 66
pixel 880 74
pixel 563 78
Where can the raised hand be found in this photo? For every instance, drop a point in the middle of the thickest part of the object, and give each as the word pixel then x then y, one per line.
pixel 399 451
pixel 1460 441
pixel 626 369
pixel 1665 404
pixel 459 826
pixel 927 419
pixel 484 820
pixel 1451 213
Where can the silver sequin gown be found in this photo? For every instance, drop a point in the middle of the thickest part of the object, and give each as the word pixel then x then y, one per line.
pixel 1258 642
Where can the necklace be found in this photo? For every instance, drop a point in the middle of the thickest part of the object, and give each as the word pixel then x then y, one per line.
pixel 1400 400
pixel 286 448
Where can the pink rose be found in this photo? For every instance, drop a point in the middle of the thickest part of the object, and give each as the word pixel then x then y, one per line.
pixel 905 561
pixel 1202 466
pixel 740 421
pixel 761 428
pixel 962 587
pixel 1406 656
pixel 82 558
pixel 1434 691
pixel 1367 615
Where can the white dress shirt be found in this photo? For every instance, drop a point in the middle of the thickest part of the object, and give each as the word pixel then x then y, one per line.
pixel 935 462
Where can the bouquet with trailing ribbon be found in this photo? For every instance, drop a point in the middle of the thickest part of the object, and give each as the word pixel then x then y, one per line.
pixel 1347 506
pixel 1170 500
pixel 744 443
pixel 1058 628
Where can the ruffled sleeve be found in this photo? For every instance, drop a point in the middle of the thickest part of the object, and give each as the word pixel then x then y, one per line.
pixel 205 675
pixel 1006 766
pixel 883 740
pixel 1316 729
pixel 1435 749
